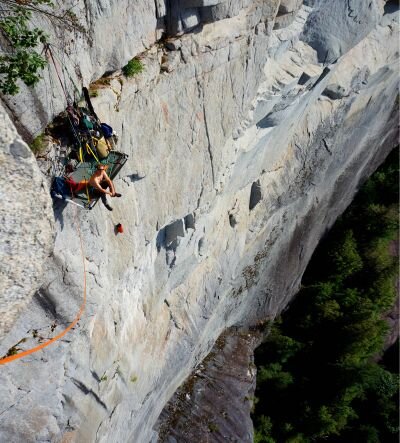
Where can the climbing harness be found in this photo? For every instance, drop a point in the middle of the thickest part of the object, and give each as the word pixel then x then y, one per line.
pixel 11 358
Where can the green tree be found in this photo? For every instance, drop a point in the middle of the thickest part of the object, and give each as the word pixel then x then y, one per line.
pixel 19 59
pixel 273 373
pixel 263 431
pixel 345 257
pixel 20 41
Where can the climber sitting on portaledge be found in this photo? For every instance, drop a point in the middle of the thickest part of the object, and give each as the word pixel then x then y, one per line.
pixel 100 181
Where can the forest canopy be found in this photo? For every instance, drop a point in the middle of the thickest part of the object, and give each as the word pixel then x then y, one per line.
pixel 319 373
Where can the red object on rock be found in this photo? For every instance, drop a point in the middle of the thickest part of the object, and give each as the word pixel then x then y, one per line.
pixel 119 228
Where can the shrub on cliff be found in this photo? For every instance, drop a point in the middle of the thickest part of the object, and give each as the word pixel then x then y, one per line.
pixel 133 67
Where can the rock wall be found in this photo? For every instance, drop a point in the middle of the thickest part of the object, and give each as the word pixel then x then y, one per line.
pixel 244 148
pixel 214 403
pixel 26 225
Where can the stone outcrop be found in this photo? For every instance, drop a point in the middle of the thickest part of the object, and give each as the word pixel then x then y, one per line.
pixel 335 26
pixel 214 404
pixel 226 116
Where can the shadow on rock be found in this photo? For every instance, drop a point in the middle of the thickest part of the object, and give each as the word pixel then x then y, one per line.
pixel 58 208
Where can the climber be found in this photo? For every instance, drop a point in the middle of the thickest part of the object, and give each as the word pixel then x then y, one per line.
pixel 100 181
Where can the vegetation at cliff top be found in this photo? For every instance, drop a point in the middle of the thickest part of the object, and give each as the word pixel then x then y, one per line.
pixel 318 376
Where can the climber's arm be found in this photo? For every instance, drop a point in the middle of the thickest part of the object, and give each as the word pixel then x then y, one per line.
pixel 110 183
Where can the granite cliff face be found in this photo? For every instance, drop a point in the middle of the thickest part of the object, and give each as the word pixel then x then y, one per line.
pixel 26 232
pixel 248 133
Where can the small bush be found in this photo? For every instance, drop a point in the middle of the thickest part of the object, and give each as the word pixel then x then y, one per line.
pixel 133 67
pixel 38 144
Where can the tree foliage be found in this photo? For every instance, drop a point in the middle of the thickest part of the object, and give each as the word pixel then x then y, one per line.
pixel 19 59
pixel 317 378
pixel 20 40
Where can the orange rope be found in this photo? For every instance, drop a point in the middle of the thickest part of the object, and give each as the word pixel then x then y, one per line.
pixel 75 321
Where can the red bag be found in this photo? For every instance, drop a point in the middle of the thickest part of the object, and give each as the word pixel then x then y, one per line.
pixel 76 187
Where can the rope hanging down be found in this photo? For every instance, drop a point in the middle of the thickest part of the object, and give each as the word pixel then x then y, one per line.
pixel 66 73
pixel 70 326
pixel 48 51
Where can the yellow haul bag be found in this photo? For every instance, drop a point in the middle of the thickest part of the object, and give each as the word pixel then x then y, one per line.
pixel 102 148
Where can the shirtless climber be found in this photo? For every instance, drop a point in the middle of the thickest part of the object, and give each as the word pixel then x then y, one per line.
pixel 100 181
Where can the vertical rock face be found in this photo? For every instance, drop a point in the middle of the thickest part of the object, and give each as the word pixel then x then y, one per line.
pixel 26 230
pixel 335 26
pixel 227 115
pixel 214 404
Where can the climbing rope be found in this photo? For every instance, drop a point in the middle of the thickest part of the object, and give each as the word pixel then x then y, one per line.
pixel 71 325
pixel 90 147
pixel 48 51
pixel 66 73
